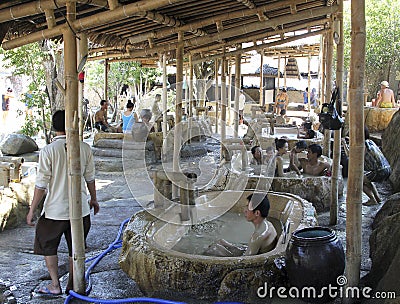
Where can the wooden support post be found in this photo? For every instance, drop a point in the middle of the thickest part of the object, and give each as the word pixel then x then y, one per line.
pixel 356 158
pixel 216 95
pixel 178 110
pixel 82 52
pixel 309 83
pixel 106 67
pixel 238 59
pixel 164 95
pixel 337 133
pixel 223 99
pixel 191 73
pixel 73 153
pixel 329 63
pixel 262 101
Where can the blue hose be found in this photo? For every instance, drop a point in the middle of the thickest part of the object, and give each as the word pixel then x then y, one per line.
pixel 115 245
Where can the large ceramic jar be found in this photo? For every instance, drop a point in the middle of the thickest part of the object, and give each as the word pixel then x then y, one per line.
pixel 314 260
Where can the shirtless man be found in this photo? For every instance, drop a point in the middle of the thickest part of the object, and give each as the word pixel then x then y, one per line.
pixel 385 97
pixel 100 117
pixel 312 165
pixel 262 240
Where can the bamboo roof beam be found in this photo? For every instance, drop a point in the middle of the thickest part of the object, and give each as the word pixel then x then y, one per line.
pixel 50 18
pixel 265 45
pixel 86 23
pixel 248 3
pixel 237 30
pixel 39 7
pixel 113 4
pixel 256 36
pixel 40 25
pixel 243 30
pixel 213 20
pixel 167 20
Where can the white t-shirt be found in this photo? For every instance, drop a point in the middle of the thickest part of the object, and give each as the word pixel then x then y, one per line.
pixel 53 176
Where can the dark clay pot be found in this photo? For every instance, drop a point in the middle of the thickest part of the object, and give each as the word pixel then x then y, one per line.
pixel 314 258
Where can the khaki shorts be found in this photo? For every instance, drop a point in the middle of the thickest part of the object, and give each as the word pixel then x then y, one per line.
pixel 49 232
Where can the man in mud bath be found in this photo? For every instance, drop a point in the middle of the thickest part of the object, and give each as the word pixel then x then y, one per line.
pixel 262 240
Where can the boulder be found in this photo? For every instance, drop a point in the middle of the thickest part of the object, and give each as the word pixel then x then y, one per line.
pixel 377 119
pixel 385 248
pixel 14 203
pixel 391 149
pixel 17 144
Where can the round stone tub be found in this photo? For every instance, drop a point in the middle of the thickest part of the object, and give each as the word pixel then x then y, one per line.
pixel 316 189
pixel 148 256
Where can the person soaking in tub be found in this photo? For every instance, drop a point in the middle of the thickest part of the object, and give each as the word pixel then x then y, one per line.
pixel 312 165
pixel 262 240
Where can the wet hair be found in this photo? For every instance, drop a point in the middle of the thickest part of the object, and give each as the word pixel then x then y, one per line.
pixel 307 125
pixel 58 121
pixel 261 203
pixel 284 90
pixel 102 102
pixel 280 143
pixel 301 144
pixel 310 133
pixel 129 104
pixel 366 133
pixel 283 112
pixel 315 148
pixel 253 150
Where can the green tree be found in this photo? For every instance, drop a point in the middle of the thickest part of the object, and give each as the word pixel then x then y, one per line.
pixel 29 60
pixel 382 42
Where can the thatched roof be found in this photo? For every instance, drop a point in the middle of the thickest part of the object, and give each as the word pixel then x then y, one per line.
pixel 148 28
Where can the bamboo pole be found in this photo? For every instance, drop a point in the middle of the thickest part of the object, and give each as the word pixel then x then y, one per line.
pixel 178 110
pixel 323 87
pixel 83 24
pixel 316 24
pixel 106 67
pixel 228 109
pixel 329 63
pixel 356 155
pixel 191 73
pixel 216 95
pixel 337 133
pixel 164 95
pixel 82 51
pixel 223 101
pixel 284 75
pixel 279 72
pixel 309 83
pixel 38 7
pixel 165 32
pixel 238 59
pixel 262 102
pixel 73 153
pixel 240 30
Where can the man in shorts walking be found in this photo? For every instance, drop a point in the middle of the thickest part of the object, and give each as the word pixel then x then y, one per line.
pixel 54 220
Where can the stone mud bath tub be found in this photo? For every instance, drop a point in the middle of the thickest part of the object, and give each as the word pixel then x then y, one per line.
pixel 149 256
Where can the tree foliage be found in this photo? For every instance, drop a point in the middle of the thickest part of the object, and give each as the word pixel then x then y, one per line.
pixel 29 60
pixel 382 41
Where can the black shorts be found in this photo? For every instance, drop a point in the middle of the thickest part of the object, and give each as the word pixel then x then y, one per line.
pixel 49 232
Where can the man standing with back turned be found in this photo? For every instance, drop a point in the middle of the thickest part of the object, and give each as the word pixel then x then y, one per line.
pixel 54 220
pixel 385 96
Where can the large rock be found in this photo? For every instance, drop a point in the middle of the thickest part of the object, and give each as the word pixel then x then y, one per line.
pixel 391 149
pixel 377 119
pixel 385 248
pixel 14 203
pixel 17 144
